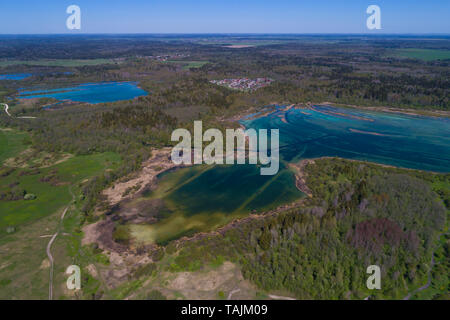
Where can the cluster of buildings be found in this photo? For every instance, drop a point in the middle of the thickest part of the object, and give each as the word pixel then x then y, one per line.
pixel 244 83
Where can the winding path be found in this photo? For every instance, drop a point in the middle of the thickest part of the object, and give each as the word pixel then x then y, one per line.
pixel 6 109
pixel 50 257
pixel 49 246
pixel 9 114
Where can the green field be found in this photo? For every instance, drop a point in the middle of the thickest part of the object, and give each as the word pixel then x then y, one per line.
pixel 50 196
pixel 57 62
pixel 422 54
pixel 24 266
pixel 11 143
pixel 202 198
pixel 190 64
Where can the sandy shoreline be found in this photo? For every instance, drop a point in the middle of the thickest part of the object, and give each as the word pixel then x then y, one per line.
pixel 412 112
pixel 308 105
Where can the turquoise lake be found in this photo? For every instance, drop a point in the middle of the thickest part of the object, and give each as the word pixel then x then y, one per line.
pixel 408 141
pixel 90 92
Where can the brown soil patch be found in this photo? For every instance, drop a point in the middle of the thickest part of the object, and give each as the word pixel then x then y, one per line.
pixel 28 102
pixel 206 285
pixel 123 260
pixel 101 233
pixel 158 163
pixel 92 270
pixel 45 264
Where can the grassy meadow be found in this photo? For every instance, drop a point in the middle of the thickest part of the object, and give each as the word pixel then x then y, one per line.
pixel 49 183
pixel 24 266
pixel 53 195
pixel 12 143
pixel 189 64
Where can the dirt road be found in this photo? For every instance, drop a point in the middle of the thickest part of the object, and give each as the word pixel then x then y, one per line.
pixel 49 246
pixel 6 109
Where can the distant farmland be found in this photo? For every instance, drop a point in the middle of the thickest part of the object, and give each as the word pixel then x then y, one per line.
pixel 189 64
pixel 57 62
pixel 422 54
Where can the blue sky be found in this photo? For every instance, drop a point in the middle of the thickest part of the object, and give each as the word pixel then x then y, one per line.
pixel 224 16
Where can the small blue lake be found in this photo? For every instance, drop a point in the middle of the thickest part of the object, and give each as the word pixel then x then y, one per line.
pixel 90 92
pixel 15 76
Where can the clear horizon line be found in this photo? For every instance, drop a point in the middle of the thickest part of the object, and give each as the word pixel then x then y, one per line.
pixel 229 33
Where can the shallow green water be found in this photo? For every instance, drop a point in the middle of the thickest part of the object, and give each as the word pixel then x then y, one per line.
pixel 202 198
